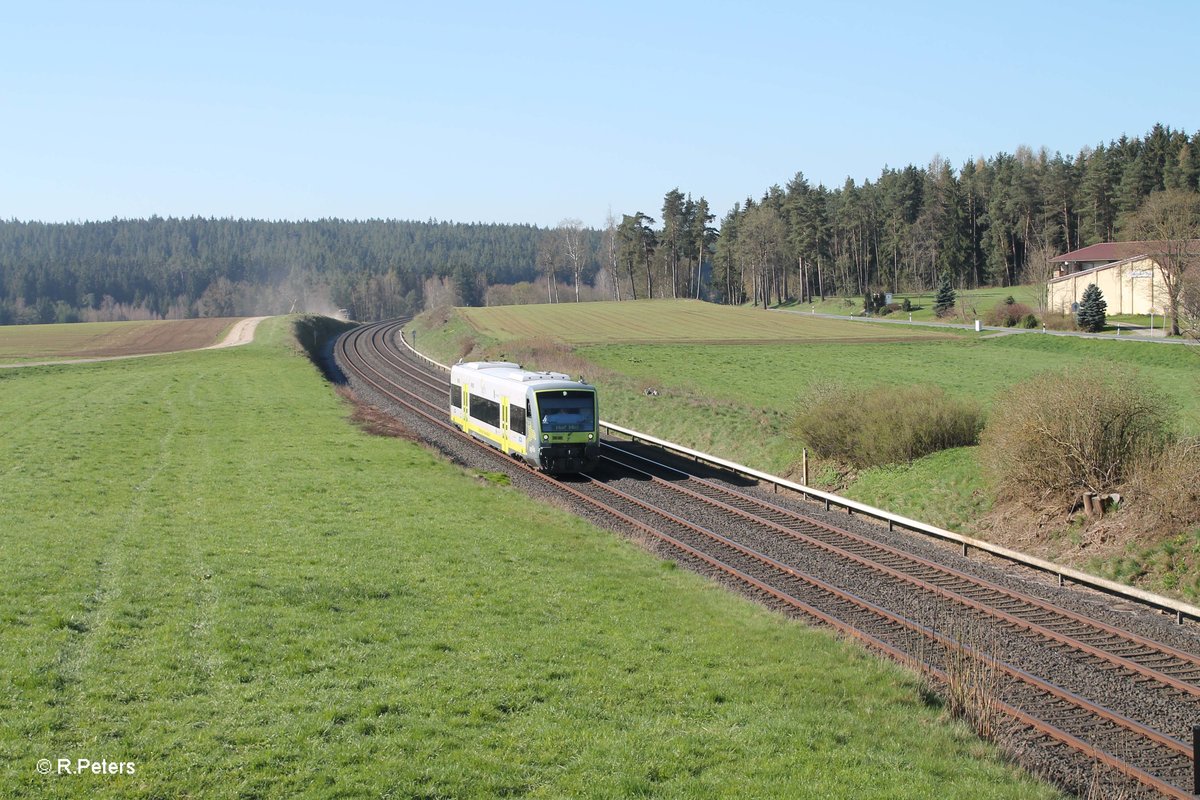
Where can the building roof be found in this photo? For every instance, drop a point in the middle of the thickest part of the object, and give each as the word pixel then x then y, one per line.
pixel 1113 251
pixel 1107 251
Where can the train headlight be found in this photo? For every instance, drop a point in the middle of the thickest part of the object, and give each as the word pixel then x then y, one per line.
pixel 545 437
pixel 590 437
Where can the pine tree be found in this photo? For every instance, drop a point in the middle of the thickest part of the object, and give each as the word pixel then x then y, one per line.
pixel 1091 315
pixel 943 304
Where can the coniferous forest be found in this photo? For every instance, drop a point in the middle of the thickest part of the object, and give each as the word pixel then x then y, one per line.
pixel 991 221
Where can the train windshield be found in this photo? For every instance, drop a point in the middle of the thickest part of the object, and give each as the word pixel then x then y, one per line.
pixel 567 411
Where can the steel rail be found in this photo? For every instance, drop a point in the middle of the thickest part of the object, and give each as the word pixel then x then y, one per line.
pixel 992 610
pixel 1071 640
pixel 1177 608
pixel 364 371
pixel 891 617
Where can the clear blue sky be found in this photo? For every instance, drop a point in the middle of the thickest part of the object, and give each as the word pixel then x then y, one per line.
pixel 522 112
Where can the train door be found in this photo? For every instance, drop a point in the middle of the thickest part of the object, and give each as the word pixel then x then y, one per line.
pixel 504 423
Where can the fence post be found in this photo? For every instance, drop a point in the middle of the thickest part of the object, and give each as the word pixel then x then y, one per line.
pixel 1195 763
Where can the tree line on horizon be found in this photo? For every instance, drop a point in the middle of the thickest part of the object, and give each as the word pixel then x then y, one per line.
pixel 170 268
pixel 994 221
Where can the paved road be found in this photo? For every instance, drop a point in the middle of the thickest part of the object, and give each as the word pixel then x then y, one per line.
pixel 1132 333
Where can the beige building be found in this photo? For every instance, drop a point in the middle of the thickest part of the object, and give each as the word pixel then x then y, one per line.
pixel 1129 279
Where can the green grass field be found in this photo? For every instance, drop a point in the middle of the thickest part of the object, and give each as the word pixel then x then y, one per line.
pixel 775 376
pixel 772 358
pixel 210 573
pixel 672 321
pixel 972 304
pixel 735 398
pixel 980 300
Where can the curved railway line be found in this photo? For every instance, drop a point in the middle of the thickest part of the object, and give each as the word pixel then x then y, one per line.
pixel 1071 691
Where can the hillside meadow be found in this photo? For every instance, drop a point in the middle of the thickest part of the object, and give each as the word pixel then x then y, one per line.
pixel 674 322
pixel 210 573
pixel 971 304
pixel 759 364
pixel 716 381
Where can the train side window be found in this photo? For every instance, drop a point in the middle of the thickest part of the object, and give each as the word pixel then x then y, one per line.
pixel 516 420
pixel 455 396
pixel 484 410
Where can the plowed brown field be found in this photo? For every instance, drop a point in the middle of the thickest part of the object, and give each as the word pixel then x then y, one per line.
pixel 22 343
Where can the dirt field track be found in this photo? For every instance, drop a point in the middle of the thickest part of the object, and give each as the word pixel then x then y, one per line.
pixel 32 343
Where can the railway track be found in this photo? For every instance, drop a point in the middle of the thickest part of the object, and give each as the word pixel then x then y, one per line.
pixel 1070 682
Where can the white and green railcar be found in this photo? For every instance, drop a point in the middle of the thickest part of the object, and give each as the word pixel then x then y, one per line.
pixel 544 418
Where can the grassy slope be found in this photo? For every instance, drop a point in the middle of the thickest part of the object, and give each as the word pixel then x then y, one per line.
pixel 672 321
pixel 972 304
pixel 947 490
pixel 980 300
pixel 774 376
pixel 208 572
pixel 446 336
pixel 736 400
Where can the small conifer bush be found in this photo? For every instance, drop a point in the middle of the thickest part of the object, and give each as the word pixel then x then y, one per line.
pixel 943 303
pixel 1091 315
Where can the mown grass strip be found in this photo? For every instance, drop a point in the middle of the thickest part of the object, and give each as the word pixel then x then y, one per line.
pixel 209 573
pixel 667 321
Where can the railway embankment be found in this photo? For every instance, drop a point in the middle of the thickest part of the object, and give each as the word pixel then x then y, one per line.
pixel 316 334
pixel 1113 680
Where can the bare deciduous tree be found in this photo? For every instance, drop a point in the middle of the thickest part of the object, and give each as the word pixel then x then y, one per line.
pixel 1171 221
pixel 1040 269
pixel 570 231
pixel 549 259
pixel 760 245
pixel 610 252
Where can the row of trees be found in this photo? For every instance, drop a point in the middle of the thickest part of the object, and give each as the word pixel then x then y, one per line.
pixel 153 268
pixel 668 262
pixel 994 221
pixel 632 258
